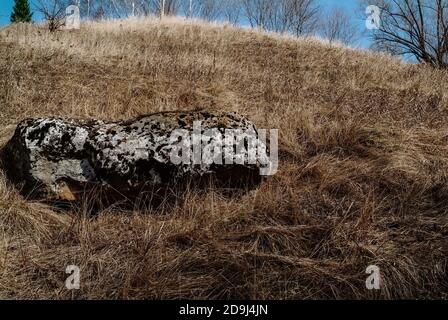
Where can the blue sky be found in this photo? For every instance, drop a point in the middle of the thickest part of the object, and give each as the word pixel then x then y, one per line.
pixel 5 11
pixel 349 5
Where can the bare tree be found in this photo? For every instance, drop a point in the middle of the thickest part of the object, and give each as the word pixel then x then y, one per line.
pixel 258 12
pixel 210 9
pixel 188 7
pixel 295 16
pixel 303 16
pixel 119 9
pixel 53 12
pixel 205 9
pixel 88 4
pixel 164 7
pixel 279 16
pixel 96 9
pixel 231 11
pixel 418 28
pixel 127 8
pixel 339 26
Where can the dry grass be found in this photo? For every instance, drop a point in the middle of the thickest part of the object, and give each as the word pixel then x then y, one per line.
pixel 362 178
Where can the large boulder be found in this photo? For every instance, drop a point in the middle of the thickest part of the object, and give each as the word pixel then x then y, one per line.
pixel 60 159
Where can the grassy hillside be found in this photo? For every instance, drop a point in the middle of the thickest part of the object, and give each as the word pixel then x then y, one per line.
pixel 362 177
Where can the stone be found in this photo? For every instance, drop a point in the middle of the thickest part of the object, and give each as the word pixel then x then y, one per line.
pixel 61 159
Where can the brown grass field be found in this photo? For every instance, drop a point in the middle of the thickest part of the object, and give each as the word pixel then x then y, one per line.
pixel 362 180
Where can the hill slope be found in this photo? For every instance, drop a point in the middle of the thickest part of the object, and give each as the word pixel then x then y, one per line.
pixel 362 177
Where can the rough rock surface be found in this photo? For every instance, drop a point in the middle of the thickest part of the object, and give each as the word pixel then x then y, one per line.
pixel 59 158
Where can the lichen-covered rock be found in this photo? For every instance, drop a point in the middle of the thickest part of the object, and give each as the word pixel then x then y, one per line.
pixel 62 158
